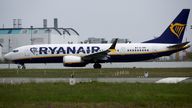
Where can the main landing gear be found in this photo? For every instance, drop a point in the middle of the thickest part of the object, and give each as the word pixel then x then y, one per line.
pixel 97 66
pixel 21 66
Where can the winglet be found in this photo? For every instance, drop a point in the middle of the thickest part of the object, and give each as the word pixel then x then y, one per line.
pixel 112 48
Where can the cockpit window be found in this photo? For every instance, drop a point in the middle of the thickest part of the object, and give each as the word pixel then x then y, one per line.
pixel 15 51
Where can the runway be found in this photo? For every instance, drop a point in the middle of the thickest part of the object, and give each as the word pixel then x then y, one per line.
pixel 20 80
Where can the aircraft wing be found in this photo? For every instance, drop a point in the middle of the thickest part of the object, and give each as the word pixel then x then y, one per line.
pixel 178 45
pixel 103 55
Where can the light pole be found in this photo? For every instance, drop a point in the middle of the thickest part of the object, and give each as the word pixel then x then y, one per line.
pixel 31 35
pixel 49 36
pixel 9 46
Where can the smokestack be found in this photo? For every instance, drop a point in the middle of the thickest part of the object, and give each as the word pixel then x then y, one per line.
pixel 19 23
pixel 14 23
pixel 44 23
pixel 55 23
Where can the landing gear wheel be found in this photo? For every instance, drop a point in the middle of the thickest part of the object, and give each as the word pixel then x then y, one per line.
pixel 21 66
pixel 97 66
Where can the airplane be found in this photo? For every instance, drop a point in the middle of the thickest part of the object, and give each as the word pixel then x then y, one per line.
pixel 79 55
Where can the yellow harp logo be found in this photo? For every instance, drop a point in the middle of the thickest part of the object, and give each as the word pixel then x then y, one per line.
pixel 177 29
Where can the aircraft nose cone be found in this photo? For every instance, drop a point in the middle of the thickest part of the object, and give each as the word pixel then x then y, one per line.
pixel 8 56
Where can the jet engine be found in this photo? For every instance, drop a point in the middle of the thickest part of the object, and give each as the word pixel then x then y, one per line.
pixel 73 61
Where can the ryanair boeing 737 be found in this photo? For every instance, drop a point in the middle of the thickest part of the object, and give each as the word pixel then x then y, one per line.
pixel 79 55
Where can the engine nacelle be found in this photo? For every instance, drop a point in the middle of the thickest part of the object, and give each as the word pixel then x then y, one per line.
pixel 73 61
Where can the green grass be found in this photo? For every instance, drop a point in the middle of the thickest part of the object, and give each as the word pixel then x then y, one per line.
pixel 113 72
pixel 91 95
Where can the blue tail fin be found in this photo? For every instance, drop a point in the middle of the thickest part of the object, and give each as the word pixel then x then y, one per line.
pixel 174 33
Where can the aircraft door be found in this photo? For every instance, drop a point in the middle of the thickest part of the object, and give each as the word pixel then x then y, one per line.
pixel 155 52
pixel 123 50
pixel 27 53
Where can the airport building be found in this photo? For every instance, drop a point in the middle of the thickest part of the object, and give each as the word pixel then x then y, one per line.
pixel 17 36
pixel 121 40
pixel 93 40
pixel 103 40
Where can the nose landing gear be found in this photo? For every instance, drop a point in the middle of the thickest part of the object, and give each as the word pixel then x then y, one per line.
pixel 21 66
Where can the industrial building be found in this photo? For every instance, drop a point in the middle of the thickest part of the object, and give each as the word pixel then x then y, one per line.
pixel 103 40
pixel 17 36
pixel 121 40
pixel 93 40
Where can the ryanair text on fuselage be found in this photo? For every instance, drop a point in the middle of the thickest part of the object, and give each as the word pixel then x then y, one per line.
pixel 65 50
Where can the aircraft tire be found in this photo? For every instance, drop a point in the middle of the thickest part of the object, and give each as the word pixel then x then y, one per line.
pixel 97 66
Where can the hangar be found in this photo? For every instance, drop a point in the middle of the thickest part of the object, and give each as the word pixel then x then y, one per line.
pixel 15 37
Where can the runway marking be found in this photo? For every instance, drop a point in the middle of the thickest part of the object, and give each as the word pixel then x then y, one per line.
pixel 172 80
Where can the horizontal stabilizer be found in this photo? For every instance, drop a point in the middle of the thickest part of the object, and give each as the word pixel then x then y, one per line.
pixel 178 45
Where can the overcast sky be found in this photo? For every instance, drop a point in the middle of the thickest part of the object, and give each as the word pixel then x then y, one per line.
pixel 137 20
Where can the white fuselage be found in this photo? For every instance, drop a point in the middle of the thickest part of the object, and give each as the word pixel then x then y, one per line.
pixel 57 50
